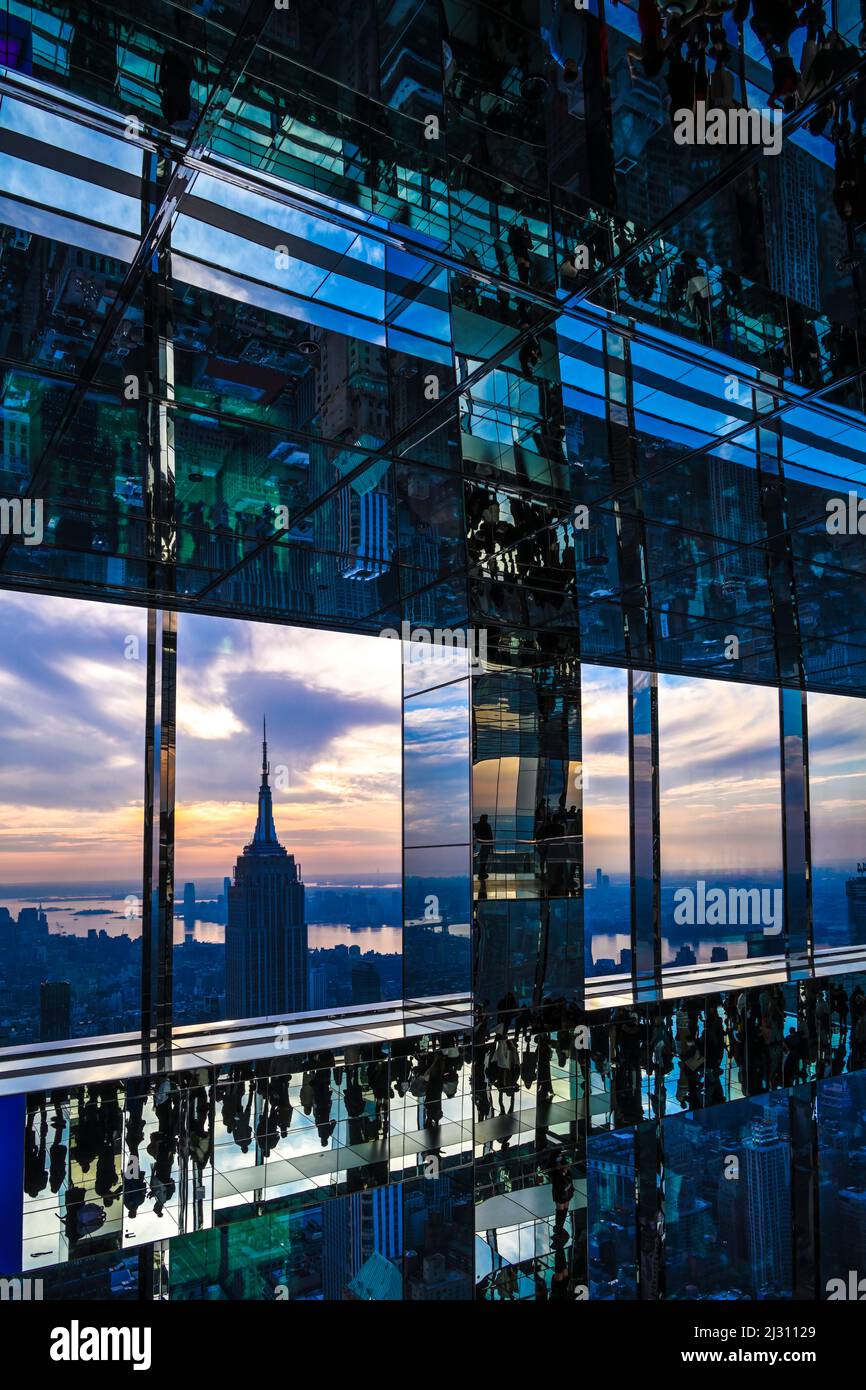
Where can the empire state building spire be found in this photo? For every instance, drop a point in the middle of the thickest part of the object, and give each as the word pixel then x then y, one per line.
pixel 266 931
pixel 264 839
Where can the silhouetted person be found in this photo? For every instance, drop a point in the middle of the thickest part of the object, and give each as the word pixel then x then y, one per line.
pixel 562 1191
pixel 484 842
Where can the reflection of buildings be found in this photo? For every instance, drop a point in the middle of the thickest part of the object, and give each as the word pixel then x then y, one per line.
pixel 266 934
pixel 78 286
pixel 364 547
pixel 410 78
pixel 439 955
pixel 610 1179
pixel 341 1247
pixel 637 108
pixel 852 1228
pixel 855 892
pixel 692 1213
pixel 438 1283
pixel 438 1267
pixel 14 443
pixel 612 1174
pixel 351 400
pixel 735 511
pixel 792 240
pixel 768 1229
pixel 360 1240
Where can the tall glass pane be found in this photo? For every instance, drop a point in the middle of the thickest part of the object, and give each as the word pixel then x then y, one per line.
pixel 837 802
pixel 287 861
pixel 72 696
pixel 721 829
pixel 607 876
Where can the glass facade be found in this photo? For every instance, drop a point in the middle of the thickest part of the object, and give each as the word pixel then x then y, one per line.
pixel 432 652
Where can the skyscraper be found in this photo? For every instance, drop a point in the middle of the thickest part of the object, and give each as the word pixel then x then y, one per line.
pixel 766 1171
pixel 266 934
pixel 188 911
pixel 55 1010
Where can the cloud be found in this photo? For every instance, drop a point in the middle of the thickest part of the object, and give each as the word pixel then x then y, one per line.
pixel 837 779
pixel 719 777
pixel 72 711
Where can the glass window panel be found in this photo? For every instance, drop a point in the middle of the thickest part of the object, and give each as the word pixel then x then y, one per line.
pixel 606 844
pixel 437 927
pixel 72 690
pixel 721 836
pixel 436 765
pixel 837 809
pixel 261 929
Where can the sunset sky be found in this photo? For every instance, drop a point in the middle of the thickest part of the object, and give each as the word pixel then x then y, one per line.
pixel 71 740
pixel 332 702
pixel 72 746
pixel 605 769
pixel 719 777
pixel 72 743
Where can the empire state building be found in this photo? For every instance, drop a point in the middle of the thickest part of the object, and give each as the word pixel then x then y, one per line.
pixel 266 934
